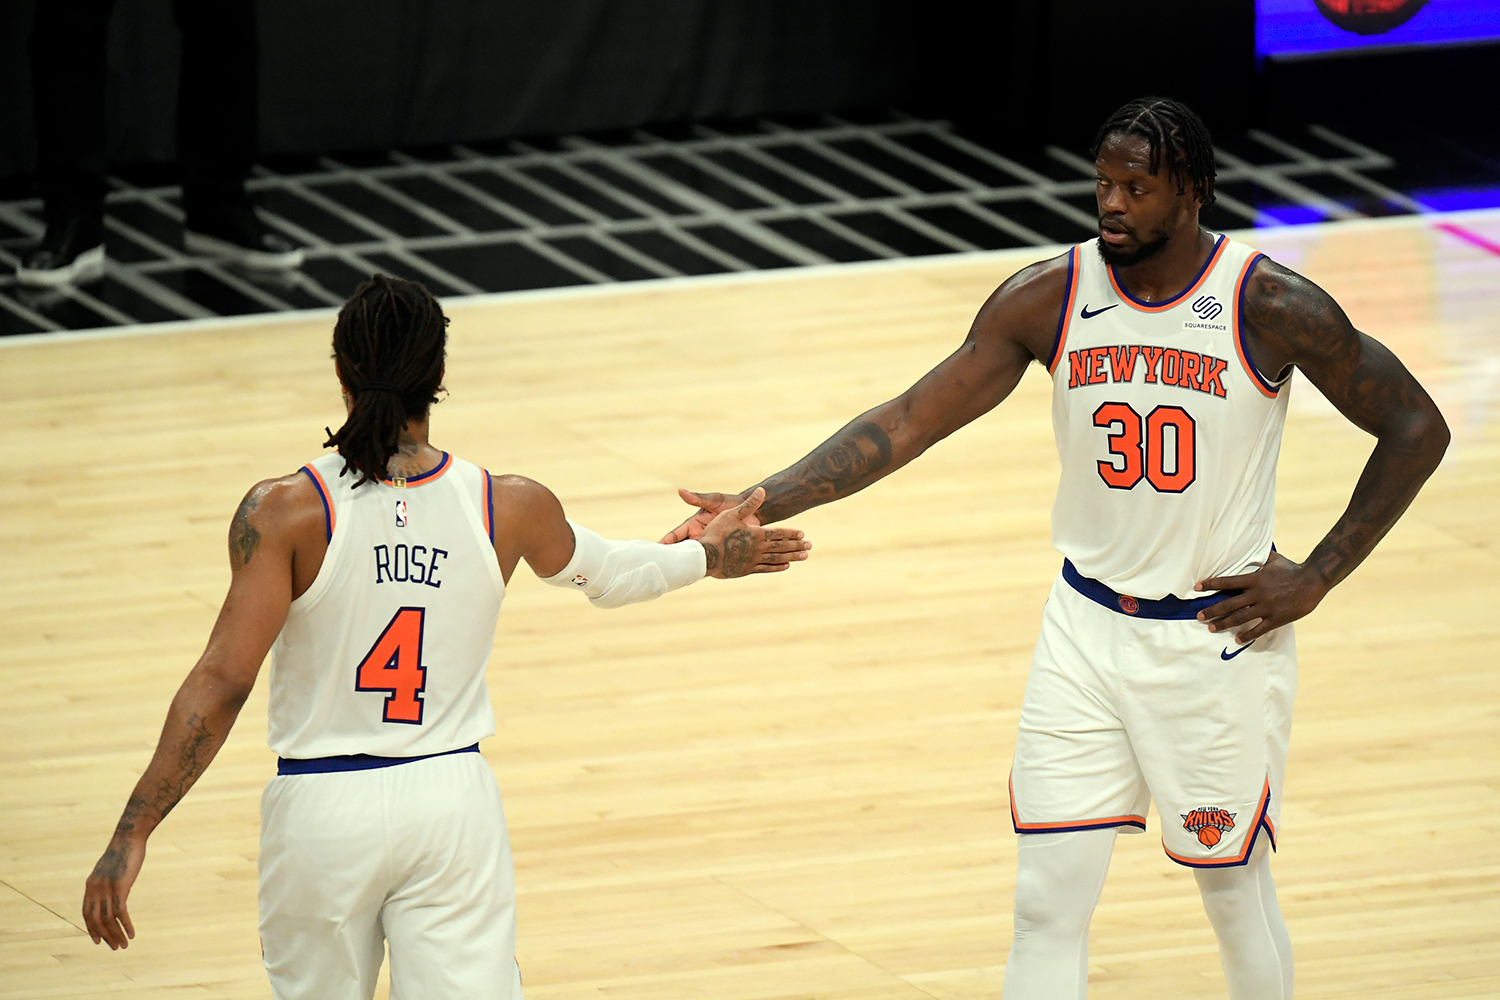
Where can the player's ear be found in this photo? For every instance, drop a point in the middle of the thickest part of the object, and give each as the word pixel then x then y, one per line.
pixel 343 389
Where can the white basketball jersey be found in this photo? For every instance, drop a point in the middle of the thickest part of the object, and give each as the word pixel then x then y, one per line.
pixel 1168 435
pixel 385 653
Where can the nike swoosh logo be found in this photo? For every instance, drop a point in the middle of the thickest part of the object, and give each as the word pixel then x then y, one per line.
pixel 1090 315
pixel 1227 655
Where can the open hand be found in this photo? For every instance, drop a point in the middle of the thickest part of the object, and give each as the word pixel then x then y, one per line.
pixel 708 504
pixel 1277 594
pixel 107 889
pixel 736 545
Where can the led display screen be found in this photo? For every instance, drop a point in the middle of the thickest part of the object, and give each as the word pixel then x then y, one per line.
pixel 1289 29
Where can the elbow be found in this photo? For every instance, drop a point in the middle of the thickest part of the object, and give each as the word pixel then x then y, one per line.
pixel 1424 436
pixel 1435 435
pixel 220 689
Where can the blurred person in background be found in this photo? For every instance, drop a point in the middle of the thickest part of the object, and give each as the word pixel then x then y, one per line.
pixel 217 123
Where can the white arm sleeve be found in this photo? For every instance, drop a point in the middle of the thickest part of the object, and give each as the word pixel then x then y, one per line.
pixel 613 574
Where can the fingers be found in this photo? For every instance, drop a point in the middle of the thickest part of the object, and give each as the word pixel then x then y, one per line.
pixel 1234 621
pixel 1227 582
pixel 109 924
pixel 691 528
pixel 89 907
pixel 1256 631
pixel 1227 606
pixel 714 503
pixel 107 920
pixel 751 505
pixel 780 558
pixel 780 547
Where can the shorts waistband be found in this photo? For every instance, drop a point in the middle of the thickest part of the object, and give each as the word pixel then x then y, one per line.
pixel 1167 608
pixel 355 762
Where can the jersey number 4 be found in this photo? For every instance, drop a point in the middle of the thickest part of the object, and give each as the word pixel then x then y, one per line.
pixel 1143 445
pixel 394 664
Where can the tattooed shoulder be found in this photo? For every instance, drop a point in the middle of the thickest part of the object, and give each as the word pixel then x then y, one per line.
pixel 1291 316
pixel 245 537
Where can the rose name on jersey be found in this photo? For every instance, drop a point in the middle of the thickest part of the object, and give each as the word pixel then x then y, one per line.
pixel 409 564
pixel 1161 365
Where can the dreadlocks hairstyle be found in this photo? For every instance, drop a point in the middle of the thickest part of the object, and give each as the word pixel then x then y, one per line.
pixel 388 346
pixel 1177 137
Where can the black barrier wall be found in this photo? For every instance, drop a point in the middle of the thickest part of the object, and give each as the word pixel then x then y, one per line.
pixel 338 75
pixel 387 73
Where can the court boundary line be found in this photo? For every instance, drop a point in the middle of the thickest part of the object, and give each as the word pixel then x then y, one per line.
pixel 1433 221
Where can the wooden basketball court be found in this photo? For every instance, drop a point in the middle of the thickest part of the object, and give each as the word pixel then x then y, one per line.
pixel 783 787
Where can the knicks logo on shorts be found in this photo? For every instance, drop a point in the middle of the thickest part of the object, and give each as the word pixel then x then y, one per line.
pixel 1210 823
pixel 1129 605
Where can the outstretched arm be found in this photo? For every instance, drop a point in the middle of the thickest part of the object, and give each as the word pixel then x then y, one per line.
pixel 205 706
pixel 1015 326
pixel 1294 322
pixel 530 525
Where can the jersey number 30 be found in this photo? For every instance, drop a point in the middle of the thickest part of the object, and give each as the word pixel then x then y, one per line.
pixel 1144 446
pixel 394 664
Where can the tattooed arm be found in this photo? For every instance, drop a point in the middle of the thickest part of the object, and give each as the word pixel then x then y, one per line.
pixel 1292 321
pixel 1016 325
pixel 264 540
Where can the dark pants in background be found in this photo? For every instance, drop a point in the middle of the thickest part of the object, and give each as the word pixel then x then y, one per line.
pixel 216 104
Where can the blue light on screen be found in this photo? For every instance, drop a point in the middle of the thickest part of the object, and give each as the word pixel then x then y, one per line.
pixel 1294 28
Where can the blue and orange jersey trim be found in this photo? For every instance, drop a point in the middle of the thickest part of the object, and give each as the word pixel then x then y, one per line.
pixel 1067 312
pixel 323 495
pixel 1165 304
pixel 489 505
pixel 426 477
pixel 1071 826
pixel 1267 387
pixel 1262 822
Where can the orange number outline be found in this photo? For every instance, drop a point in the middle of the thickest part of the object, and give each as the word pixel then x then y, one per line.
pixel 1187 449
pixel 1142 443
pixel 1126 442
pixel 394 664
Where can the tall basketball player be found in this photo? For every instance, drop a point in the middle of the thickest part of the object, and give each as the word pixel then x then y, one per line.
pixel 375 577
pixel 1166 665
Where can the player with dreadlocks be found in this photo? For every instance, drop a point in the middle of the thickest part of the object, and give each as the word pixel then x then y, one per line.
pixel 1166 664
pixel 375 577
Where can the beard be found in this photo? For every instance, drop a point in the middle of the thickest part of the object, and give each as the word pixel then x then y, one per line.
pixel 1115 257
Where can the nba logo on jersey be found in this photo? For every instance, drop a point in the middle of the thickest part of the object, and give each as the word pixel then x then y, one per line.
pixel 401 513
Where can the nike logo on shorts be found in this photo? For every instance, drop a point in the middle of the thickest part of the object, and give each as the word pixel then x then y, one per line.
pixel 1227 655
pixel 1090 315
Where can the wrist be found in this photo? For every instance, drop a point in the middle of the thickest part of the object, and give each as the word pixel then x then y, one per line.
pixel 713 555
pixel 1319 575
pixel 136 823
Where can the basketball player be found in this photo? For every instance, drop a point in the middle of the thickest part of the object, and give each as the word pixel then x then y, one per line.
pixel 1165 667
pixel 376 575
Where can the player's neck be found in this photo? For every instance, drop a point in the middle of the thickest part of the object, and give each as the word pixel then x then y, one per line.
pixel 1167 273
pixel 414 454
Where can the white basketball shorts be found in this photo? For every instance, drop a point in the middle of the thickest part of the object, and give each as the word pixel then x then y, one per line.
pixel 1131 701
pixel 414 854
